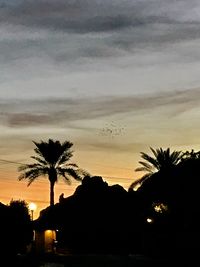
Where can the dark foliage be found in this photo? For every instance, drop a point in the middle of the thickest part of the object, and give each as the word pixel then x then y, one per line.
pixel 175 229
pixel 16 228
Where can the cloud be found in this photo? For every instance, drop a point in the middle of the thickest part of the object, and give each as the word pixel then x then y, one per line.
pixel 65 112
pixel 98 15
pixel 24 119
pixel 116 147
pixel 71 16
pixel 50 37
pixel 146 21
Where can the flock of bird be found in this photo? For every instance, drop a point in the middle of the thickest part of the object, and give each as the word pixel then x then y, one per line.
pixel 112 130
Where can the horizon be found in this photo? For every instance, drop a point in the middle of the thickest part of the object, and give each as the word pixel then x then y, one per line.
pixel 113 78
pixel 42 187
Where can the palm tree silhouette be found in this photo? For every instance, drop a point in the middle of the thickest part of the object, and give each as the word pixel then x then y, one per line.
pixel 51 160
pixel 190 155
pixel 162 160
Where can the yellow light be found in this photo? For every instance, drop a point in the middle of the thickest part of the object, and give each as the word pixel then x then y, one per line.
pixel 135 188
pixel 160 207
pixel 149 220
pixel 32 206
pixel 48 232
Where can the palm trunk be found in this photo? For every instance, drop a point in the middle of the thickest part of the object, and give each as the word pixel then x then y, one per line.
pixel 52 180
pixel 52 193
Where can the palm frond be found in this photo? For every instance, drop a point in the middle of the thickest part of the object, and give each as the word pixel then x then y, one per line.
pixel 146 167
pixel 152 161
pixel 146 164
pixel 155 151
pixel 29 166
pixel 66 178
pixel 71 172
pixel 143 169
pixel 136 184
pixel 65 157
pixel 40 160
pixel 71 165
pixel 32 174
pixel 161 160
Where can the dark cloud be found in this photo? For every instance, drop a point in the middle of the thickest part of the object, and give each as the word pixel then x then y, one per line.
pixel 98 15
pixel 71 16
pixel 24 119
pixel 66 31
pixel 64 112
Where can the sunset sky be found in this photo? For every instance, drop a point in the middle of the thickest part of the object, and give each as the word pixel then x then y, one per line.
pixel 114 77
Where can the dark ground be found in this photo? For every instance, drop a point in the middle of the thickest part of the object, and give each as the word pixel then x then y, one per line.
pixel 99 261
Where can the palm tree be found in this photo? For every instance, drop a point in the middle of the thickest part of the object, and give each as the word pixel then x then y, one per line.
pixel 190 155
pixel 52 161
pixel 163 160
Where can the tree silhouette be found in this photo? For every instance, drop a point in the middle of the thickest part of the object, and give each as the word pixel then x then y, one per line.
pixel 20 231
pixel 162 160
pixel 190 155
pixel 52 161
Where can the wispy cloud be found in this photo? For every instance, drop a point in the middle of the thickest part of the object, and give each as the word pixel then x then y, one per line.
pixel 26 113
pixel 116 147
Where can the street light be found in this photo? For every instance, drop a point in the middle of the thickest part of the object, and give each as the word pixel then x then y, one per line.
pixel 149 220
pixel 32 207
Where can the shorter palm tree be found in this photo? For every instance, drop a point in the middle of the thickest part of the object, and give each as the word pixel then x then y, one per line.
pixel 52 161
pixel 162 160
pixel 190 155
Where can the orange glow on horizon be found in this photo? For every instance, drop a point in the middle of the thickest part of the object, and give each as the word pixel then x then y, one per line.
pixel 38 191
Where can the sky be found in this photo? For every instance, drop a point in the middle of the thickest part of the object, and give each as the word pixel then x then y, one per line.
pixel 114 77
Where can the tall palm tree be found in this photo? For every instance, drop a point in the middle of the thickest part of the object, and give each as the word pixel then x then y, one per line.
pixel 162 160
pixel 52 161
